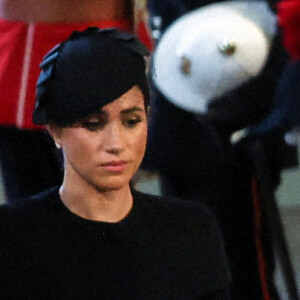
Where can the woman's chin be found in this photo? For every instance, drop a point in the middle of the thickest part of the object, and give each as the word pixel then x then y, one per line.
pixel 112 186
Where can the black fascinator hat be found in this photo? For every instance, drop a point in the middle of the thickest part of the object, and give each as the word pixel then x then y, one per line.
pixel 87 71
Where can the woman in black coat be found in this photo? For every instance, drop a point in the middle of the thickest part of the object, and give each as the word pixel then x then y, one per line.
pixel 94 237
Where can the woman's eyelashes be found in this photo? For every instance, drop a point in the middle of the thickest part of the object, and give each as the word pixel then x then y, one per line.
pixel 98 124
pixel 132 121
pixel 93 125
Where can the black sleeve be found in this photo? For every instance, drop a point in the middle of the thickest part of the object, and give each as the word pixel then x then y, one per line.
pixel 202 254
pixel 220 295
pixel 217 272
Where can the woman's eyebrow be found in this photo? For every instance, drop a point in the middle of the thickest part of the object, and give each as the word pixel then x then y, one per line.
pixel 133 109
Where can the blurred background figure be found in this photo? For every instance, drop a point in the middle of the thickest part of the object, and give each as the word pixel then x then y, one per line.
pixel 28 30
pixel 209 81
pixel 289 16
pixel 285 113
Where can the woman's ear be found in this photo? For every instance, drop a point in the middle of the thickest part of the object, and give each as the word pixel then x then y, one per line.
pixel 55 132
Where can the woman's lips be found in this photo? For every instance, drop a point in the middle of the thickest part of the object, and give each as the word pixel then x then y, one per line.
pixel 115 166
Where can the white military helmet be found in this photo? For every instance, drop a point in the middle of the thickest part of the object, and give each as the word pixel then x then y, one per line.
pixel 212 50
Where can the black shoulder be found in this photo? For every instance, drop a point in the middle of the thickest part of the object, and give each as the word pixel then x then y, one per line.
pixel 194 230
pixel 178 208
pixel 183 217
pixel 23 210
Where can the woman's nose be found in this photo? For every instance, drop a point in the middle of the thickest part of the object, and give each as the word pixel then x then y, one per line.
pixel 115 141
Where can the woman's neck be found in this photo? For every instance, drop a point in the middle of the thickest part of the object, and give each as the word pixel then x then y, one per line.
pixel 89 203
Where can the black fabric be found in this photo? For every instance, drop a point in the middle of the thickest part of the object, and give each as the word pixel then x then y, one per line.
pixel 164 249
pixel 29 162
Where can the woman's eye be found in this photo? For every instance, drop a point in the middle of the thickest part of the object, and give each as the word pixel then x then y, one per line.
pixel 132 122
pixel 93 126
